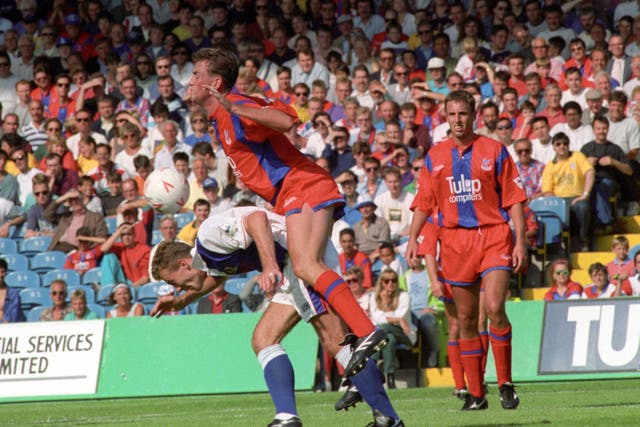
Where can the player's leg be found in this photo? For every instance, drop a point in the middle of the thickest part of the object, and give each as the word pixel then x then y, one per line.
pixel 495 290
pixel 482 330
pixel 453 350
pixel 466 300
pixel 368 381
pixel 307 236
pixel 275 323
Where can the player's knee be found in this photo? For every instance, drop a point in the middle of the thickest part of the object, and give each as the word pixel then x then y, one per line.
pixel 259 343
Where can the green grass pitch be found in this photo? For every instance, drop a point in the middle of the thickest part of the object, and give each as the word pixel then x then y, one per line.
pixel 585 403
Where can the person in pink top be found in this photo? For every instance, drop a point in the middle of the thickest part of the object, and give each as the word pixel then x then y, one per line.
pixel 622 267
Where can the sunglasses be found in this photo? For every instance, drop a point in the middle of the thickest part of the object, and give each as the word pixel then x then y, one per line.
pixel 351 281
pixel 63 84
pixel 302 93
pixel 41 193
pixel 503 127
pixel 563 272
pixel 403 73
pixel 56 293
pixel 197 120
pixel 82 119
pixel 372 169
pixel 558 144
pixel 17 158
pixel 144 62
pixel 53 130
pixel 417 168
pixel 389 280
pixel 524 151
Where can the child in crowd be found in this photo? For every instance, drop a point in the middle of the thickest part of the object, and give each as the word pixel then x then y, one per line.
pixel 88 193
pixel 524 128
pixel 622 266
pixel 111 200
pixel 389 261
pixel 85 257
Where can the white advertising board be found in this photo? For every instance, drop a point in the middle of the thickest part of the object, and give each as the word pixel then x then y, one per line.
pixel 50 358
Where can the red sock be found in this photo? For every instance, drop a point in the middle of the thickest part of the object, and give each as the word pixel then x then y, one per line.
pixel 501 345
pixel 336 292
pixel 471 356
pixel 456 364
pixel 484 337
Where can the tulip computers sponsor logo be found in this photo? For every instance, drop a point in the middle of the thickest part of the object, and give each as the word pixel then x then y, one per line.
pixel 463 189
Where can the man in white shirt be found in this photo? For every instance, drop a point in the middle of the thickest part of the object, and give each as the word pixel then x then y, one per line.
pixel 578 134
pixel 553 18
pixel 170 145
pixel 394 205
pixel 635 80
pixel 575 91
pixel 370 23
pixel 7 84
pixel 619 65
pixel 360 82
pixel 307 69
pixel 84 123
pixel 541 145
pixel 623 130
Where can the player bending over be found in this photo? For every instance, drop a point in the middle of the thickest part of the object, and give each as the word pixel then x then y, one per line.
pixel 246 239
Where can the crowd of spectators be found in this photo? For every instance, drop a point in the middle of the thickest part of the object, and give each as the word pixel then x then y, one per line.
pixel 93 97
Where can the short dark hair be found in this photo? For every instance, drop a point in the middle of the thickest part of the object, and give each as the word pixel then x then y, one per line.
pixel 222 62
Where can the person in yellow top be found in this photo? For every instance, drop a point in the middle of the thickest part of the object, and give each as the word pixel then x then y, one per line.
pixel 570 176
pixel 87 158
pixel 188 233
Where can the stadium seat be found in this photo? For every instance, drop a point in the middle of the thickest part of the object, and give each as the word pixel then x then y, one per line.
pixel 34 245
pixel 103 295
pixel 8 246
pixel 112 224
pixel 156 237
pixel 33 315
pixel 88 290
pixel 554 207
pixel 148 294
pixel 92 276
pixel 47 261
pixel 23 279
pixel 71 277
pixel 33 297
pixel 16 262
pixel 634 250
pixel 183 219
pixel 235 285
pixel 98 310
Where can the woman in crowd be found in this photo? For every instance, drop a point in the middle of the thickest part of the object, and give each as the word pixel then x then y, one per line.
pixel 121 297
pixel 562 287
pixel 79 310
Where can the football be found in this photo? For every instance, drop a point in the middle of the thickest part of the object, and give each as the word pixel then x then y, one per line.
pixel 166 190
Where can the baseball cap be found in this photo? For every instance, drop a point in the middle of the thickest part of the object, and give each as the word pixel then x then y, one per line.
pixel 365 200
pixel 593 94
pixel 344 18
pixel 435 63
pixel 63 41
pixel 72 19
pixel 209 183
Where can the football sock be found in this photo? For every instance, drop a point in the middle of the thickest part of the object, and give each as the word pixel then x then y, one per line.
pixel 484 337
pixel 471 356
pixel 456 364
pixel 336 292
pixel 280 379
pixel 501 346
pixel 369 384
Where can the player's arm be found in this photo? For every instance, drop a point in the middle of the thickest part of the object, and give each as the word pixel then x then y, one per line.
pixel 520 249
pixel 257 226
pixel 178 302
pixel 417 222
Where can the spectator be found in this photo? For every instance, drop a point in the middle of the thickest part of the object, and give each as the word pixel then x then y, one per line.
pixel 61 106
pixel 220 301
pixel 530 169
pixel 372 184
pixel 394 205
pixel 622 267
pixel 25 173
pixel 169 146
pixel 37 225
pixel 196 184
pixel 426 310
pixel 168 228
pixel 307 69
pixel 371 230
pixel 132 102
pixel 121 299
pixel 354 278
pixel 126 261
pixel 562 287
pixel 105 165
pixel 34 131
pixel 489 114
pixel 610 164
pixel 85 257
pixel 84 126
pixel 347 182
pixel 553 111
pixel 217 203
pixel 68 213
pixel 632 286
pixel 60 309
pixel 595 104
pixel 571 176
pixel 600 286
pixel 9 188
pixel 575 91
pixel 340 156
pixel 79 310
pixel 352 257
pixel 389 260
pixel 535 93
pixel 188 233
pixel 87 192
pixel 10 311
pixel 619 64
pixel 199 126
pixel 390 312
pixel 114 197
pixel 578 133
pixel 215 161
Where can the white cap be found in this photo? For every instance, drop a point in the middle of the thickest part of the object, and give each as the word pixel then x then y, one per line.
pixel 435 62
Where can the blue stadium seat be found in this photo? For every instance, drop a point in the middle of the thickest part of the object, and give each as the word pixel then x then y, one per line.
pixel 33 297
pixel 33 315
pixel 16 262
pixel 156 237
pixel 88 290
pixel 235 285
pixel 112 224
pixel 183 219
pixel 103 295
pixel 34 245
pixel 92 276
pixel 71 277
pixel 23 279
pixel 8 246
pixel 98 310
pixel 148 293
pixel 554 207
pixel 47 261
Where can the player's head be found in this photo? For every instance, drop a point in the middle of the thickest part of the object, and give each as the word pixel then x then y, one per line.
pixel 460 111
pixel 171 262
pixel 220 63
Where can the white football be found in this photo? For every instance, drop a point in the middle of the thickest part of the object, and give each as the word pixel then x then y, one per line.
pixel 166 190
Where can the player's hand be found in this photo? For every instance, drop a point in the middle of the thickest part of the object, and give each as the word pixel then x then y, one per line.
pixel 519 257
pixel 437 289
pixel 269 279
pixel 411 254
pixel 164 304
pixel 224 102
